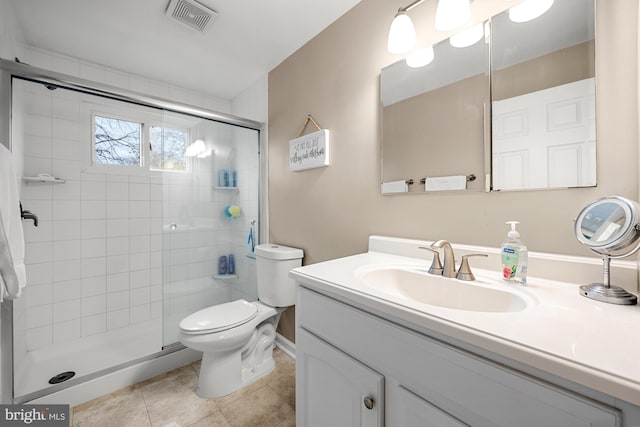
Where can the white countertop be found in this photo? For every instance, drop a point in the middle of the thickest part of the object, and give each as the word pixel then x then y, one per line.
pixel 588 342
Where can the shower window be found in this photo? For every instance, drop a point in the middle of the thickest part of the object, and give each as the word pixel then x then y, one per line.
pixel 121 142
pixel 116 141
pixel 168 148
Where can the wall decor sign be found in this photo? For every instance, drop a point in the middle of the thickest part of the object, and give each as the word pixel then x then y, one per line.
pixel 311 150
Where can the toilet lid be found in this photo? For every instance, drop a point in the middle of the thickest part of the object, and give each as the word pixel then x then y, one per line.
pixel 219 317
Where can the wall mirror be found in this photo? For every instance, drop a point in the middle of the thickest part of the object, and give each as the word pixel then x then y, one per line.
pixel 520 117
pixel 543 99
pixel 434 117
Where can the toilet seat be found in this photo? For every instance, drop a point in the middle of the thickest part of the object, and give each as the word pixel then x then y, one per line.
pixel 219 317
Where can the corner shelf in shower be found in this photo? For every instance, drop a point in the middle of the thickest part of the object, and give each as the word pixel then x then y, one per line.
pixel 43 178
pixel 225 276
pixel 227 188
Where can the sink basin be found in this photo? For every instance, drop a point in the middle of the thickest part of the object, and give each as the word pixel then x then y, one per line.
pixel 440 291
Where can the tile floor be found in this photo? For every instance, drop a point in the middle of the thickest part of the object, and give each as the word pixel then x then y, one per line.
pixel 170 400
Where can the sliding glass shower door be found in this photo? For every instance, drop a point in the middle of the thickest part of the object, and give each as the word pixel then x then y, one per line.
pixel 137 206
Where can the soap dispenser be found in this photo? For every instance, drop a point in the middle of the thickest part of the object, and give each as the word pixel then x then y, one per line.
pixel 514 257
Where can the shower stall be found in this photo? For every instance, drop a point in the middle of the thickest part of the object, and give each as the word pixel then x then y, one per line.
pixel 148 211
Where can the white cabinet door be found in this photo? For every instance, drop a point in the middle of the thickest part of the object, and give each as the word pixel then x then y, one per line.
pixel 406 409
pixel 333 389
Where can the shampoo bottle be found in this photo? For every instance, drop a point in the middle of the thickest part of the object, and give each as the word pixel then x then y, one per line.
pixel 222 265
pixel 514 257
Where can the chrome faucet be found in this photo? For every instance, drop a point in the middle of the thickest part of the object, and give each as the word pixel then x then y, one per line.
pixel 449 267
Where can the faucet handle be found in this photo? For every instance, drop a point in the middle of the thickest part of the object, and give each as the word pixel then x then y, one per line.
pixel 436 265
pixel 464 272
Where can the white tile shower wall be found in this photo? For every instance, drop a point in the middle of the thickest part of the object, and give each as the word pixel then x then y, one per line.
pixel 73 270
pixel 66 296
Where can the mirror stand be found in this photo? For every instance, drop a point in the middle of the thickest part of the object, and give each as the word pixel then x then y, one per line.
pixel 604 291
pixel 610 227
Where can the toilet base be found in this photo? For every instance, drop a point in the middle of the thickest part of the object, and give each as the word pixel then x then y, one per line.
pixel 250 375
pixel 222 374
pixel 220 377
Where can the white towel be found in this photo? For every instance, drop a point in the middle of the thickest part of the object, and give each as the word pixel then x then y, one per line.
pixel 12 268
pixel 391 187
pixel 444 183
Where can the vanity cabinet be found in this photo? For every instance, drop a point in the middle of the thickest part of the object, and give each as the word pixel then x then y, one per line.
pixel 343 392
pixel 346 355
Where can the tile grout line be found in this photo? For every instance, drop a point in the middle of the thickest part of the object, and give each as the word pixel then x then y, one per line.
pixel 146 407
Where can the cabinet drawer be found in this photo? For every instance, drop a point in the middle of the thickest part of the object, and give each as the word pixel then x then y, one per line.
pixel 471 389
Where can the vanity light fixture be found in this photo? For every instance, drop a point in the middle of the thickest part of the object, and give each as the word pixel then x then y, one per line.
pixel 450 15
pixel 402 34
pixel 195 148
pixel 420 57
pixel 468 37
pixel 453 14
pixel 529 10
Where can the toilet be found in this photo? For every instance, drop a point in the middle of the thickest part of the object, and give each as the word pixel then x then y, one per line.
pixel 236 338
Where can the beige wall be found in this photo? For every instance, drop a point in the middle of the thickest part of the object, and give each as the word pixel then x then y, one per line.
pixel 330 212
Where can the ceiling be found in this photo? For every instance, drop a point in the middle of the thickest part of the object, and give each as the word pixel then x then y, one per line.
pixel 246 40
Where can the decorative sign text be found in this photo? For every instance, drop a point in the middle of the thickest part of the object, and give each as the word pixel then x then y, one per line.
pixel 309 151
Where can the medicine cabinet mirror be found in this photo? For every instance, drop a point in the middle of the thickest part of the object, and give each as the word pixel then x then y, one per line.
pixel 434 118
pixel 543 99
pixel 520 117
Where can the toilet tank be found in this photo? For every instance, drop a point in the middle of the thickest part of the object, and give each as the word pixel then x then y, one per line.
pixel 275 288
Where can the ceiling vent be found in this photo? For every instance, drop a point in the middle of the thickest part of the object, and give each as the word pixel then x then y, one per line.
pixel 191 13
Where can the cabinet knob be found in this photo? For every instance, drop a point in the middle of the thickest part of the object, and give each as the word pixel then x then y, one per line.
pixel 368 402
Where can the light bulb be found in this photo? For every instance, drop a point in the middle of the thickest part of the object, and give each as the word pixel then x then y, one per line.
pixel 529 10
pixel 420 58
pixel 467 37
pixel 452 14
pixel 402 34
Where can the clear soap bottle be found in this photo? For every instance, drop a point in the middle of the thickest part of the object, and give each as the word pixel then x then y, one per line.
pixel 514 257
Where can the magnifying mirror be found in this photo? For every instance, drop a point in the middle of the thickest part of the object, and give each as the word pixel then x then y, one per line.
pixel 610 227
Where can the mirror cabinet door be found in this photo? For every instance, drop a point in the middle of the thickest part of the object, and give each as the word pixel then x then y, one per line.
pixel 434 117
pixel 543 98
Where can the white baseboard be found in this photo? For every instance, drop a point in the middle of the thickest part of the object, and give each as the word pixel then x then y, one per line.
pixel 288 347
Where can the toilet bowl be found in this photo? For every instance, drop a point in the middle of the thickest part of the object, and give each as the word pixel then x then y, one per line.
pixel 236 338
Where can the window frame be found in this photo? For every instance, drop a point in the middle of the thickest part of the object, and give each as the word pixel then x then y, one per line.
pixel 145 145
pixel 186 131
